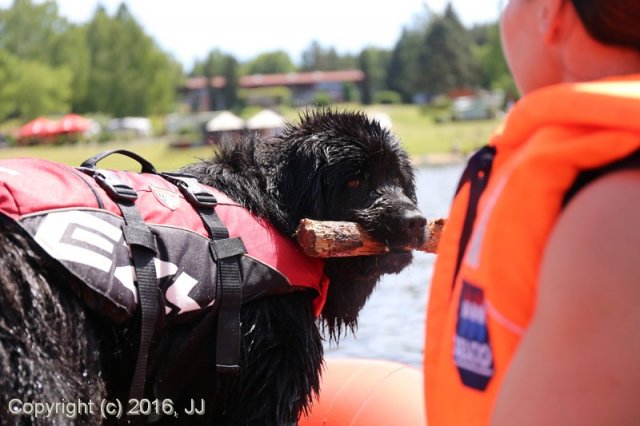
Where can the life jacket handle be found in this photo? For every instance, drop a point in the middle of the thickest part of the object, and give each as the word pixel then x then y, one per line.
pixel 146 166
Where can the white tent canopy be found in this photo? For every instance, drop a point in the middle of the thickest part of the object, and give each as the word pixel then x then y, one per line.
pixel 382 118
pixel 266 119
pixel 224 122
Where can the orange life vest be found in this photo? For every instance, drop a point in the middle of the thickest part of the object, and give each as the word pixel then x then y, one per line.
pixel 484 287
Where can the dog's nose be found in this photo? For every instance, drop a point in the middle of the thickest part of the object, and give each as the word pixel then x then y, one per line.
pixel 414 221
pixel 413 226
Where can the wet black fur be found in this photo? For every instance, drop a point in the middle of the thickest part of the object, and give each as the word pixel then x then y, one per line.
pixel 332 166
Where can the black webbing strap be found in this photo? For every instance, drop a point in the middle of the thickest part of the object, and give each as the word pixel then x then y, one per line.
pixel 142 244
pixel 477 173
pixel 229 285
pixel 226 252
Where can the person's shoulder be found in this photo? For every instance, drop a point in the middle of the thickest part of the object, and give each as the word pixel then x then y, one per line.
pixel 578 357
pixel 604 207
pixel 589 289
pixel 598 232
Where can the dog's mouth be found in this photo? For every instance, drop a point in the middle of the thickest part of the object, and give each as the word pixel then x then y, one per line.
pixel 412 242
pixel 401 232
pixel 395 261
pixel 404 242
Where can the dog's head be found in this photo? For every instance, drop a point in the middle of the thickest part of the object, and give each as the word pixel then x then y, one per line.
pixel 345 166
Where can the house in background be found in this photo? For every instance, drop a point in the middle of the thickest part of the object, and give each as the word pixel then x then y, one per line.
pixel 305 86
pixel 196 95
pixel 259 88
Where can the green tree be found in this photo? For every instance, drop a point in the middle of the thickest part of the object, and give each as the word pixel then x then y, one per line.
pixel 317 58
pixel 232 82
pixel 403 72
pixel 8 86
pixel 373 63
pixel 29 88
pixel 311 57
pixel 41 90
pixel 445 61
pixel 366 85
pixel 36 32
pixel 129 74
pixel 71 50
pixel 114 66
pixel 213 65
pixel 30 31
pixel 275 62
pixel 98 34
pixel 495 72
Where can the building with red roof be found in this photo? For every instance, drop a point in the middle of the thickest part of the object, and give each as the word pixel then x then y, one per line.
pixel 302 87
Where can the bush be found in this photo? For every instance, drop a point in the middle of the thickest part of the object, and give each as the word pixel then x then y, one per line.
pixel 387 97
pixel 441 102
pixel 322 99
pixel 265 96
pixel 351 92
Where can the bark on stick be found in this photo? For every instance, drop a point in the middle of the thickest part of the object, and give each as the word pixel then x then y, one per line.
pixel 343 239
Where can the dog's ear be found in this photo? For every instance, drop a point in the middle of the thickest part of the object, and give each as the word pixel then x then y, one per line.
pixel 408 177
pixel 301 181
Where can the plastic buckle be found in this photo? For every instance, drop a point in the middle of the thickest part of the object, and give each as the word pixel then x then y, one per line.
pixel 192 190
pixel 116 189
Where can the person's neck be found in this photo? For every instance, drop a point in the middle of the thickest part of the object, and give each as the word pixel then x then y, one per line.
pixel 595 61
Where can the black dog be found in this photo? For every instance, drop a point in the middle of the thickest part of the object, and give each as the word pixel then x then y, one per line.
pixel 331 166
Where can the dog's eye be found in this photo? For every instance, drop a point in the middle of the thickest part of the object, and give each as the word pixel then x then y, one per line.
pixel 354 183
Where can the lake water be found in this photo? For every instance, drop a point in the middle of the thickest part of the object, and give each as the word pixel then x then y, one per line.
pixel 391 325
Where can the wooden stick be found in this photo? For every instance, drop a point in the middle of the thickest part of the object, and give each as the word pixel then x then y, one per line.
pixel 343 239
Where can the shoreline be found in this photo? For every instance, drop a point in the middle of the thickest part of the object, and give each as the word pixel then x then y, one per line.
pixel 440 159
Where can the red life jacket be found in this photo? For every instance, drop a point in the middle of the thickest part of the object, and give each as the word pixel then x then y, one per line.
pixel 75 222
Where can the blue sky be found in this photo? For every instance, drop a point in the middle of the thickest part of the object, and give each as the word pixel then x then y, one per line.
pixel 188 29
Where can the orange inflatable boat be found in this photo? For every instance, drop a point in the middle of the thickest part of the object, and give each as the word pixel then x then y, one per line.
pixel 364 392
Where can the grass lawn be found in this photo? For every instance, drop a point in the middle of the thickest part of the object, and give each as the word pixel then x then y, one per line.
pixel 421 135
pixel 418 132
pixel 157 151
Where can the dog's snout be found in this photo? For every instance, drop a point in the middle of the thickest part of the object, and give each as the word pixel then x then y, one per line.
pixel 414 221
pixel 413 225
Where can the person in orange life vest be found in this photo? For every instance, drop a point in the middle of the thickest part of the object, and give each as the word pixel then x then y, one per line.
pixel 533 313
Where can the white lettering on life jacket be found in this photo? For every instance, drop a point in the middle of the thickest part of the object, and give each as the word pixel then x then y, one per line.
pixel 93 232
pixel 177 293
pixel 103 235
pixel 473 356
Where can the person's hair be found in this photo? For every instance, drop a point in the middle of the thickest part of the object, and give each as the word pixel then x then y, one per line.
pixel 615 22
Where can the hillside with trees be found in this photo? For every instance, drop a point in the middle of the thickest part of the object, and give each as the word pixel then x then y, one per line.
pixel 110 66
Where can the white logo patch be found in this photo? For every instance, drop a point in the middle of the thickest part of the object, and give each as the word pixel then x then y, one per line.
pixel 166 197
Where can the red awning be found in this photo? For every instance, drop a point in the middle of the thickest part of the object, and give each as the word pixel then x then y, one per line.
pixel 73 123
pixel 39 127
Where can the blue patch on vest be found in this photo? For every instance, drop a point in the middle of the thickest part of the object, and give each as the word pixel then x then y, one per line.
pixel 472 352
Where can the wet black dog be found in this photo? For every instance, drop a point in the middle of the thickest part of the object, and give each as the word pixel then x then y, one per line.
pixel 330 166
